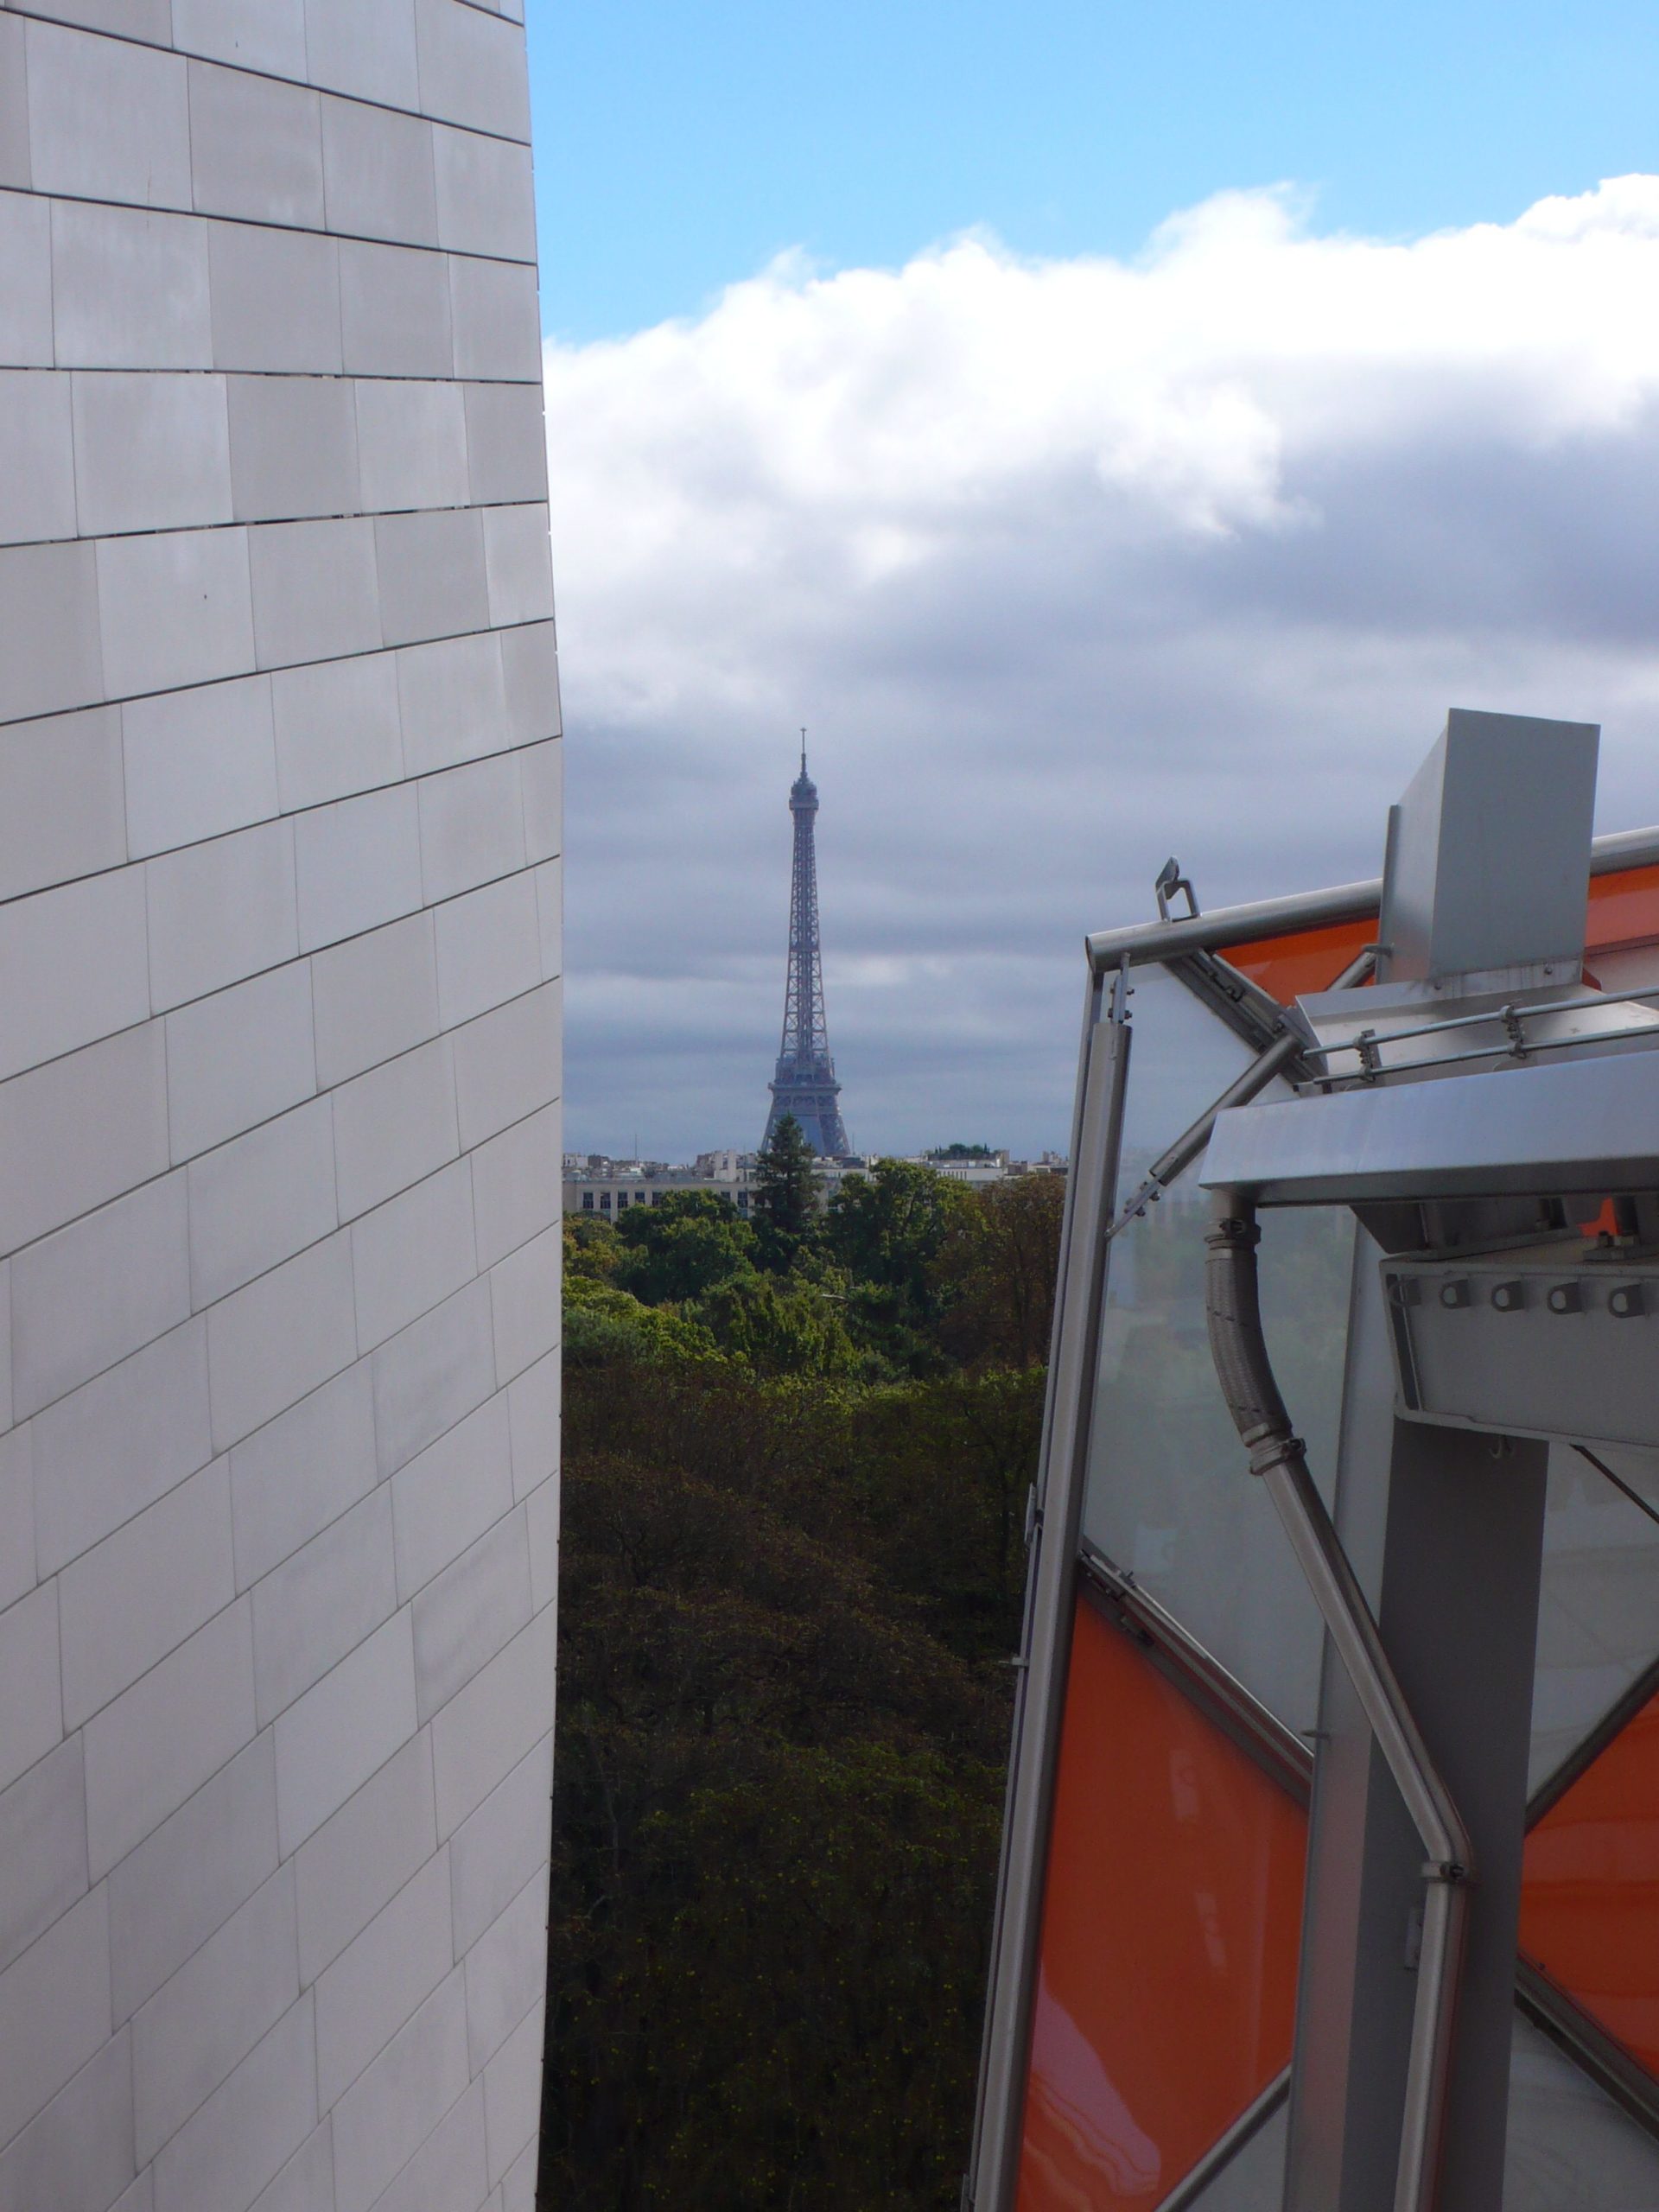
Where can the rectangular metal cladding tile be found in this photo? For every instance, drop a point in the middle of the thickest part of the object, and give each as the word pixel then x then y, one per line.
pixel 382 1977
pixel 515 1184
pixel 143 20
pixel 238 1057
pixel 16 1509
pixel 343 1728
pixel 78 2155
pixel 107 120
pixel 550 903
pixel 450 2168
pixel 363 47
pixel 432 577
pixel 221 911
pixel 489 948
pixel 293 443
pixel 394 2106
pixel 473 68
pixel 450 1493
pixel 43 1840
pixel 130 289
pixel 513 2092
pixel 307 2181
pixel 533 1405
pixel 497 320
pixel 168 1896
pixel 104 1287
pixel 221 2002
pixel 496 1850
pixel 249 2128
pixel 62 808
pixel 507 1063
pixel 262 34
pixel 506 1971
pixel 472 827
pixel 519 564
pixel 159 1741
pixel 337 729
pixel 79 1131
pixel 115 1445
pixel 301 1471
pixel 72 967
pixel 315 593
pixel 199 764
pixel 395 1126
pixel 151 451
pixel 486 205
pixel 375 997
pixel 1175 1873
pixel 259 1200
pixel 506 437
pixel 139 1594
pixel 141 2197
pixel 359 863
pixel 322 1603
pixel 519 2182
pixel 429 1376
pixel 50 653
pixel 275 299
pixel 411 1252
pixel 481 1736
pixel 174 609
pixel 394 311
pixel 530 665
pixel 14 106
pixel 466 1613
pixel 25 282
pixel 525 1292
pixel 412 436
pixel 255 147
pixel 378 174
pixel 542 1522
pixel 364 1854
pixel 54 2010
pixel 31 1723
pixel 37 455
pixel 280 1338
pixel 452 702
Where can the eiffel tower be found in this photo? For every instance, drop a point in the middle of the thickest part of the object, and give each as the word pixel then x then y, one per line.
pixel 805 1085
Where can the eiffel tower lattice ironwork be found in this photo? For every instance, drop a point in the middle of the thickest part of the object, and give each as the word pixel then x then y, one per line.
pixel 805 1084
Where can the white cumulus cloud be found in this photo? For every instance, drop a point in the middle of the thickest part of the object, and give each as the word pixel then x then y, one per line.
pixel 1066 565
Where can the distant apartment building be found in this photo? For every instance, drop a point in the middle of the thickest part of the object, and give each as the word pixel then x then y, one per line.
pixel 279 1129
pixel 594 1183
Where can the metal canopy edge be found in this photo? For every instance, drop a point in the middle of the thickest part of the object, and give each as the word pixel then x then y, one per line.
pixel 1309 910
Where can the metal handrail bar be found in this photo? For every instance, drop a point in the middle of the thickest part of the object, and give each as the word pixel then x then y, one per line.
pixel 1501 1052
pixel 1308 910
pixel 1492 1014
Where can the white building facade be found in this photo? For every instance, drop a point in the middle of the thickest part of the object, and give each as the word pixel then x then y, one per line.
pixel 279 1073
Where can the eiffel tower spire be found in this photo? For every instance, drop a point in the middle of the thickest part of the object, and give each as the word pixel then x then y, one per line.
pixel 805 1084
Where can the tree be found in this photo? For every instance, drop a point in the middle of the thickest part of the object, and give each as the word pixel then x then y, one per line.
pixel 780 1324
pixel 887 1229
pixel 785 1192
pixel 681 1246
pixel 998 1269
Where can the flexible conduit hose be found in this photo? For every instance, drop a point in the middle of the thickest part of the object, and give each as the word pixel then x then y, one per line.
pixel 1232 1301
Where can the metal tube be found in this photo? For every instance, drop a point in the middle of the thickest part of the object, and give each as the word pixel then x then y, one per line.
pixel 1309 910
pixel 1277 1455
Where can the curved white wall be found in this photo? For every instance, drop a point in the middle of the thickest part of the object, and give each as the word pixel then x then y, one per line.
pixel 279 1146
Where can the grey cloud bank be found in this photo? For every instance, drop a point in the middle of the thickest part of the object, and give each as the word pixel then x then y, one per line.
pixel 1065 566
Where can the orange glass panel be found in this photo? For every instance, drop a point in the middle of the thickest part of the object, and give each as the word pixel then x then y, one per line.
pixel 1590 1893
pixel 1170 1927
pixel 1623 910
pixel 1308 960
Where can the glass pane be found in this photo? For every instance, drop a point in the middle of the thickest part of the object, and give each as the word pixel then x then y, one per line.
pixel 1255 2180
pixel 1571 2149
pixel 1598 1609
pixel 1591 1886
pixel 1170 1924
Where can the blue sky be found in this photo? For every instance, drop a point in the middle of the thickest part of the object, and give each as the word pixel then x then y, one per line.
pixel 1299 379
pixel 681 143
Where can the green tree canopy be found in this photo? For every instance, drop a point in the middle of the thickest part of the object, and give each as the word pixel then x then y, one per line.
pixel 681 1246
pixel 785 1192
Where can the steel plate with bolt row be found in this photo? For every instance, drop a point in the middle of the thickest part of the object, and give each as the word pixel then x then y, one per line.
pixel 1587 1125
pixel 1534 1342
